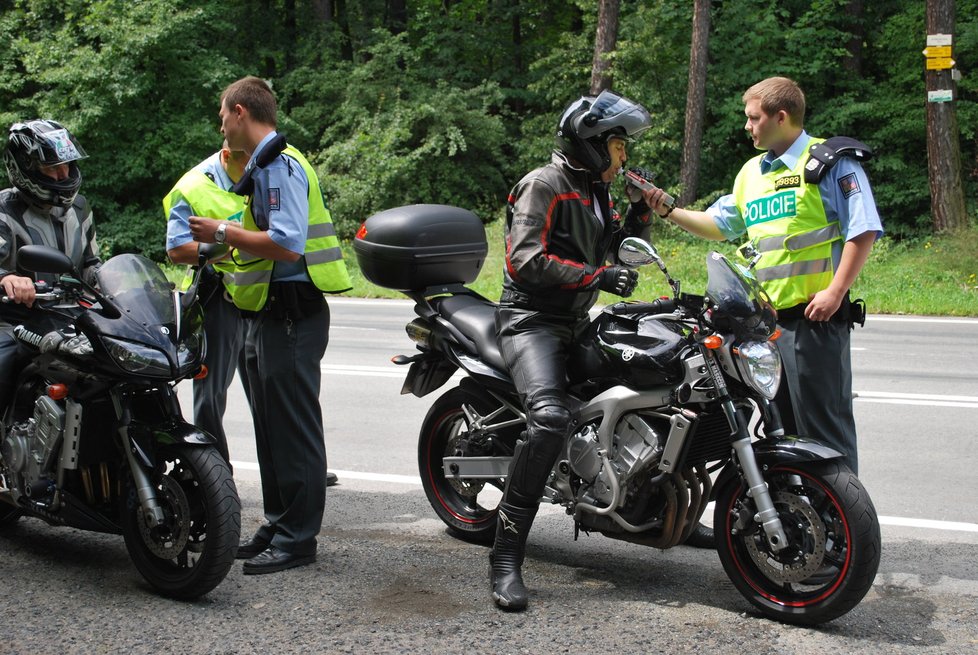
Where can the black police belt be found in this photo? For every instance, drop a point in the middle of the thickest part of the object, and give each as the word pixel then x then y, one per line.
pixel 291 300
pixel 850 311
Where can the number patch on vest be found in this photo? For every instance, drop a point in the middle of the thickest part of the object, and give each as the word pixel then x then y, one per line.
pixel 788 182
pixel 771 208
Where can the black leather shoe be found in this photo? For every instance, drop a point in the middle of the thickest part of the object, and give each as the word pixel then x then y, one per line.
pixel 273 560
pixel 250 548
pixel 701 537
pixel 331 479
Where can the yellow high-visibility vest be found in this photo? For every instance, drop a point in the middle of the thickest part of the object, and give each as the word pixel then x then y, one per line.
pixel 794 235
pixel 323 257
pixel 205 198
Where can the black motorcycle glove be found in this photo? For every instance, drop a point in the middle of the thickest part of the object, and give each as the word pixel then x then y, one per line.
pixel 633 192
pixel 618 280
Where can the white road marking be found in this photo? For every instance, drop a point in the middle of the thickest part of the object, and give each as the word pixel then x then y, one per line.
pixel 416 480
pixel 927 523
pixel 921 319
pixel 932 400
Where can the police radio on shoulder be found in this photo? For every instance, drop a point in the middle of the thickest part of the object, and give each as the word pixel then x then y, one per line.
pixel 643 184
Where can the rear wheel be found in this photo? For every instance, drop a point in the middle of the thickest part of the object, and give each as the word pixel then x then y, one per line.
pixel 468 507
pixel 833 548
pixel 193 550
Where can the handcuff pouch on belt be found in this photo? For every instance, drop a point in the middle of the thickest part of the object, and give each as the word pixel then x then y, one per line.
pixel 294 300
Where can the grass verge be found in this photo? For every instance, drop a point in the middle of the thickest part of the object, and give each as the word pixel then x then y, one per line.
pixel 928 276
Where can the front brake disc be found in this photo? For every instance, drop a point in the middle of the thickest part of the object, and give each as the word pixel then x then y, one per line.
pixel 807 549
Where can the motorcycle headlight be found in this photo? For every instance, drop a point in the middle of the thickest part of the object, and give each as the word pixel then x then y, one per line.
pixel 759 365
pixel 190 354
pixel 137 358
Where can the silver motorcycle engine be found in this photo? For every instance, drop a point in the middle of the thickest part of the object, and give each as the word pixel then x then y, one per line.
pixel 636 445
pixel 30 448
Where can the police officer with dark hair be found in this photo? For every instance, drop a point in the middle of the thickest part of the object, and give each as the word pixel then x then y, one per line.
pixel 286 256
pixel 43 208
pixel 561 228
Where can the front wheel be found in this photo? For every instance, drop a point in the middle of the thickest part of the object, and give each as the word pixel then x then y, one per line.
pixel 833 548
pixel 468 507
pixel 193 550
pixel 8 514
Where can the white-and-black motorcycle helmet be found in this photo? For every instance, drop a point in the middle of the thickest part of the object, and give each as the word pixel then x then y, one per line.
pixel 37 143
pixel 587 124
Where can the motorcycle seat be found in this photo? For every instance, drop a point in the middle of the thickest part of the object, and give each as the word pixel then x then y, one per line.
pixel 476 319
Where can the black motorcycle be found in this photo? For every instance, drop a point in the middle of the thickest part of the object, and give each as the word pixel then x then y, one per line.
pixel 94 437
pixel 674 411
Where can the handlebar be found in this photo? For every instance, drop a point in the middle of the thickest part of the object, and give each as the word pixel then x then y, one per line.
pixel 657 306
pixel 50 295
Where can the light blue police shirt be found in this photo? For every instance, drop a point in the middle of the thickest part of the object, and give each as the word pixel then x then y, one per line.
pixel 280 206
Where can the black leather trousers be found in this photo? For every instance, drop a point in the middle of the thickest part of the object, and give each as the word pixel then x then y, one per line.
pixel 535 347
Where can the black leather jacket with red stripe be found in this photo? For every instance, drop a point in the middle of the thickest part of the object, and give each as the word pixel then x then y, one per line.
pixel 556 244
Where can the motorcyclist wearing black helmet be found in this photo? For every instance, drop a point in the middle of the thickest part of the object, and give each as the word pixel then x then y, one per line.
pixel 561 228
pixel 43 207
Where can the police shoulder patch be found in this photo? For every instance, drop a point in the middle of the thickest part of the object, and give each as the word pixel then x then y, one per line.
pixel 849 185
pixel 274 199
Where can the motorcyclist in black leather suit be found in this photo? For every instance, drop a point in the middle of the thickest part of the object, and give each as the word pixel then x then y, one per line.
pixel 561 228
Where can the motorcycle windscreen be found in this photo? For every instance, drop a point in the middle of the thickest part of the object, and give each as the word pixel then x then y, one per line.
pixel 139 289
pixel 739 303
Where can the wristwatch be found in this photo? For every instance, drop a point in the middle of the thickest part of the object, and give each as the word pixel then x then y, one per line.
pixel 220 234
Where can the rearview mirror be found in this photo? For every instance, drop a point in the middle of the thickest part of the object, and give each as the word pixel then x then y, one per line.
pixel 208 253
pixel 635 252
pixel 43 259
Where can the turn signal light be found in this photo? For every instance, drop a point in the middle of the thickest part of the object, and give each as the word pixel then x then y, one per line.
pixel 776 335
pixel 713 341
pixel 57 391
pixel 202 373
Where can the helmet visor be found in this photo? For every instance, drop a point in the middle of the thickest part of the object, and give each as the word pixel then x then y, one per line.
pixel 58 147
pixel 610 111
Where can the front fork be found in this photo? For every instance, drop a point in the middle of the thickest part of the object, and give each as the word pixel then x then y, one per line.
pixel 757 488
pixel 145 491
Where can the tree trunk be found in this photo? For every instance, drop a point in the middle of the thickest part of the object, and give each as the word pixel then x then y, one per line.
pixel 853 63
pixel 290 34
pixel 605 39
pixel 397 16
pixel 943 146
pixel 689 175
pixel 343 21
pixel 323 10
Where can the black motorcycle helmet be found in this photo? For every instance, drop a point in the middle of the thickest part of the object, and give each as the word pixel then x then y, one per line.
pixel 39 143
pixel 587 124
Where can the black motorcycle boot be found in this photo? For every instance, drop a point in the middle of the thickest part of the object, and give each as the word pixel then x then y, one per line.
pixel 506 559
pixel 701 537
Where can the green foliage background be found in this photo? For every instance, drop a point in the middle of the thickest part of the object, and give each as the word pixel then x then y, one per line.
pixel 455 101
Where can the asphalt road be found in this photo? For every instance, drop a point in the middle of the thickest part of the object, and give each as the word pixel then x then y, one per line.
pixel 389 578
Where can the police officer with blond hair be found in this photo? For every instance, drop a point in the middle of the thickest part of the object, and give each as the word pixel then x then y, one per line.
pixel 205 190
pixel 807 205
